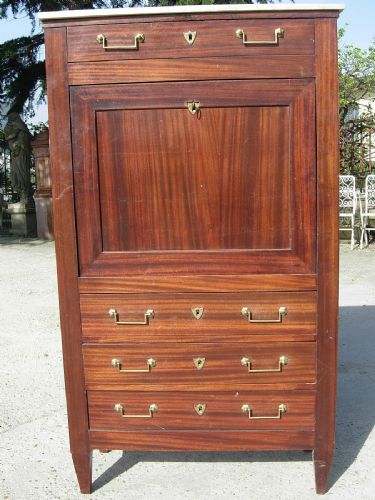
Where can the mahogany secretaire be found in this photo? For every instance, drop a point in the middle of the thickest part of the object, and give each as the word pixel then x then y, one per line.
pixel 195 169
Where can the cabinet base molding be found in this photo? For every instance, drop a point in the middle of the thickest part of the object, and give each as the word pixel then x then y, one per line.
pixel 202 441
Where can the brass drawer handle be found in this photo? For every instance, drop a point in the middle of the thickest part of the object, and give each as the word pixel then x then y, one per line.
pixel 151 363
pixel 153 408
pixel 283 360
pixel 247 409
pixel 139 37
pixel 148 314
pixel 283 311
pixel 279 33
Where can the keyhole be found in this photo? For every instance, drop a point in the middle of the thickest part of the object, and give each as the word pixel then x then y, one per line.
pixel 197 312
pixel 190 37
pixel 200 408
pixel 199 362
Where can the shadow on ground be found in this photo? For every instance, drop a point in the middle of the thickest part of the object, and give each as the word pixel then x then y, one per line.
pixel 16 240
pixel 131 458
pixel 355 407
pixel 356 383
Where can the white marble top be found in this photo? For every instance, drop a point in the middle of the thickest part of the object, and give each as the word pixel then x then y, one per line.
pixel 187 9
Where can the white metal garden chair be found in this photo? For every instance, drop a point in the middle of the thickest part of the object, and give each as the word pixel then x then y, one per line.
pixel 369 209
pixel 348 204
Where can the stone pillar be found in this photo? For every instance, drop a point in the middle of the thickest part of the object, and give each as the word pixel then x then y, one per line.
pixel 43 194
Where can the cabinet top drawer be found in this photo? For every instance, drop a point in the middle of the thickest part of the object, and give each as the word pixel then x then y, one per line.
pixel 157 40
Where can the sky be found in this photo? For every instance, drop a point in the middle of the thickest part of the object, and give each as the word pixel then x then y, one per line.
pixel 358 18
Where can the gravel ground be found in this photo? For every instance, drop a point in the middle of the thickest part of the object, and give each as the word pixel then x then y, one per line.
pixel 34 451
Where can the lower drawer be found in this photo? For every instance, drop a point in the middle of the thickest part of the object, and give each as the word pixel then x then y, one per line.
pixel 180 366
pixel 246 410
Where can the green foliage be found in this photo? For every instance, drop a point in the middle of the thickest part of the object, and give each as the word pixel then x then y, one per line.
pixel 357 126
pixel 356 76
pixel 36 128
pixel 21 73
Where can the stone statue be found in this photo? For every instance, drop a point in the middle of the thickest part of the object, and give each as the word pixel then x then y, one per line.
pixel 19 139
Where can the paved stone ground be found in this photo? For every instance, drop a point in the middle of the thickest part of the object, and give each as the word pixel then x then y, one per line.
pixel 34 458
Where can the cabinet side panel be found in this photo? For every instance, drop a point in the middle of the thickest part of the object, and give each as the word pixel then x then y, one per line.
pixel 327 166
pixel 65 234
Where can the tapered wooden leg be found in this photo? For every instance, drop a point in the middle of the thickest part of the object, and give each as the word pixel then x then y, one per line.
pixel 322 470
pixel 83 466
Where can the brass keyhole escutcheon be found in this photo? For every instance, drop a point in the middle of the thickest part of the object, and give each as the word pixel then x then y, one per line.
pixel 193 107
pixel 197 312
pixel 200 408
pixel 190 37
pixel 199 363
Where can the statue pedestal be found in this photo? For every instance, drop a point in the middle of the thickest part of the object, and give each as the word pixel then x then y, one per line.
pixel 44 217
pixel 43 194
pixel 23 220
pixel 1 211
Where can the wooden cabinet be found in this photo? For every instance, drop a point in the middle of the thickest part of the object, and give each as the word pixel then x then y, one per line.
pixel 195 162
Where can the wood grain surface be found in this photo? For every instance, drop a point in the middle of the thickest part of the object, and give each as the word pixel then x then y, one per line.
pixel 226 440
pixel 222 319
pixel 166 40
pixel 175 365
pixel 190 69
pixel 66 253
pixel 328 248
pixel 223 410
pixel 109 216
pixel 215 195
pixel 178 284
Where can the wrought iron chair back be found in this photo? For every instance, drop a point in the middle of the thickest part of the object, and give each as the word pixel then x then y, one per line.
pixel 347 193
pixel 370 194
pixel 347 204
pixel 369 210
